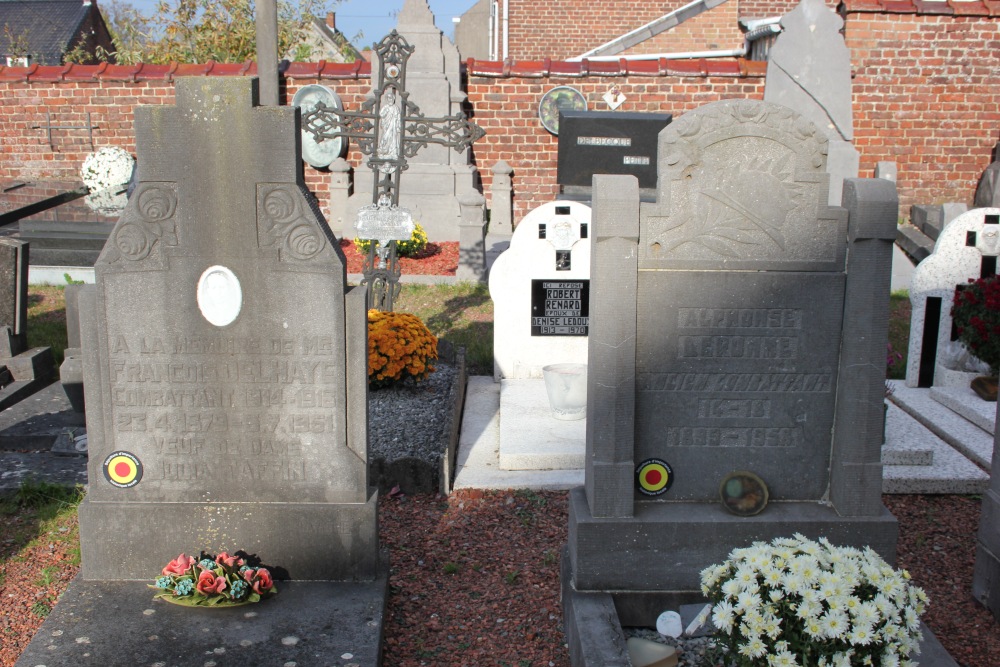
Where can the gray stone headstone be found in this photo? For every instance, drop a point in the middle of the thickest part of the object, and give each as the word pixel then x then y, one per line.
pixel 13 297
pixel 224 356
pixel 986 575
pixel 988 190
pixel 887 170
pixel 809 70
pixel 737 324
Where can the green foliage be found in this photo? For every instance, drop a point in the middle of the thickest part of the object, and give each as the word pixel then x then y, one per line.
pixel 899 332
pixel 37 495
pixel 512 577
pixel 196 31
pixel 41 609
pixel 411 248
pixel 450 568
pixel 976 314
pixel 69 280
pixel 15 45
pixel 48 576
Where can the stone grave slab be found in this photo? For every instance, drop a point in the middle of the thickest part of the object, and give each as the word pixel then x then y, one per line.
pixel 530 437
pixel 970 440
pixel 966 249
pixel 965 402
pixel 903 446
pixel 71 234
pixel 306 623
pixel 477 464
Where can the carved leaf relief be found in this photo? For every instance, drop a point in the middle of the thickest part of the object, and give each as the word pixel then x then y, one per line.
pixel 148 220
pixel 283 220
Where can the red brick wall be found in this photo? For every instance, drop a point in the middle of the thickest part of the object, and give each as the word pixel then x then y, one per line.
pixel 927 96
pixel 25 153
pixel 508 110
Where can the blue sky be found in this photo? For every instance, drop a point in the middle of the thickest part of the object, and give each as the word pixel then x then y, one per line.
pixel 375 17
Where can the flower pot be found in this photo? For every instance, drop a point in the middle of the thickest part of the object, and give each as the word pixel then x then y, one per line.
pixel 566 386
pixel 985 388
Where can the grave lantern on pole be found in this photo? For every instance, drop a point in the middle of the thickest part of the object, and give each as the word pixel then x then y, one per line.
pixel 388 129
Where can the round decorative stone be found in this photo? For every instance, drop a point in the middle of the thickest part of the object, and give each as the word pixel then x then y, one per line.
pixel 560 98
pixel 743 493
pixel 668 624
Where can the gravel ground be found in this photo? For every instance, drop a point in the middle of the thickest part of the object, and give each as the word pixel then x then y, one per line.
pixel 412 419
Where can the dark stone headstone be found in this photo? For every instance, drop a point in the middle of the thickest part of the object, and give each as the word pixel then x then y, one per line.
pixel 244 409
pixel 13 297
pixel 986 576
pixel 988 190
pixel 608 142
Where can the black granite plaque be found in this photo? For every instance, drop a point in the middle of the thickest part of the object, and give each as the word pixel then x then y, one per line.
pixel 608 142
pixel 560 307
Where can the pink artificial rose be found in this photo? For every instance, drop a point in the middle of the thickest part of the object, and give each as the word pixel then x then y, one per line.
pixel 227 560
pixel 210 584
pixel 179 565
pixel 260 580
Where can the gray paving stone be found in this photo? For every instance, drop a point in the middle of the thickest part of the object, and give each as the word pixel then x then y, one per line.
pixel 966 403
pixel 970 440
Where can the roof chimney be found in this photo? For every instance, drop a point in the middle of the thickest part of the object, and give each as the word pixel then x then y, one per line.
pixel 331 20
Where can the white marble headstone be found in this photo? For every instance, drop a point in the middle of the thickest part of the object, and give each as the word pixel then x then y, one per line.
pixel 566 229
pixel 954 261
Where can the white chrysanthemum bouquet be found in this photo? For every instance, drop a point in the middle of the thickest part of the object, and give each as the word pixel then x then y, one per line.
pixel 812 604
pixel 107 167
pixel 106 172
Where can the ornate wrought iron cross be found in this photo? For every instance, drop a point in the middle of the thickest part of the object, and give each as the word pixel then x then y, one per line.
pixel 388 129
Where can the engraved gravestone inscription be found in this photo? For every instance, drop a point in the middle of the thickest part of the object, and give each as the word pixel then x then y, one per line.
pixel 560 307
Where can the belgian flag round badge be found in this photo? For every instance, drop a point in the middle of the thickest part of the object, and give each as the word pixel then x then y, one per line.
pixel 654 476
pixel 122 469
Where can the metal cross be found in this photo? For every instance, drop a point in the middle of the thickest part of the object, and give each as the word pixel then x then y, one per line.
pixel 388 128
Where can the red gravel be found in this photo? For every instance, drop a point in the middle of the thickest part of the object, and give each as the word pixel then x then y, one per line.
pixel 475 578
pixel 937 544
pixel 436 259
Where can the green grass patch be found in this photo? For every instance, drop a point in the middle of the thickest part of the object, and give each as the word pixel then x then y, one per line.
pixel 47 318
pixel 899 331
pixel 461 313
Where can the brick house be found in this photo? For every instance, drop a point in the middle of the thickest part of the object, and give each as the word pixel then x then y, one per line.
pixel 567 29
pixel 41 32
